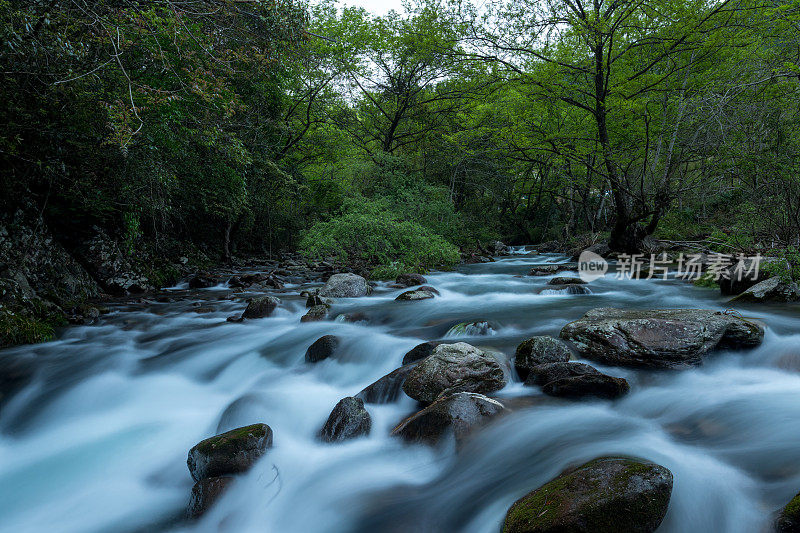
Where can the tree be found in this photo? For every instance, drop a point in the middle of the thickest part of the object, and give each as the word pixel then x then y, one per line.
pixel 612 61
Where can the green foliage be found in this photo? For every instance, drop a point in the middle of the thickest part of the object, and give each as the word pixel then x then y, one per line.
pixel 787 267
pixel 372 236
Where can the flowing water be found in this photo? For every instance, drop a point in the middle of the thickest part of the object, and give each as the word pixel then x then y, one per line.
pixel 98 440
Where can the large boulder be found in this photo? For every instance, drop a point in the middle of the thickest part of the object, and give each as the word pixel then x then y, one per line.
pixel 458 413
pixel 658 337
pixel 232 452
pixel 410 280
pixel 607 495
pixel 774 289
pixel 420 351
pixel 452 368
pixel 322 348
pixel 205 493
pixel 348 420
pixel 788 520
pixel 538 351
pixel 261 307
pixel 386 389
pixel 345 286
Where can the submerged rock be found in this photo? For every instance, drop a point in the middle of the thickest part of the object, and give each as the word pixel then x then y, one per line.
pixel 322 348
pixel 598 385
pixel 232 452
pixel 607 495
pixel 565 289
pixel 772 289
pixel 564 280
pixel 261 307
pixel 471 329
pixel 205 493
pixel 345 286
pixel 410 280
pixel 318 312
pixel 788 520
pixel 658 337
pixel 201 281
pixel 458 413
pixel 549 270
pixel 538 351
pixel 386 389
pixel 543 374
pixel 348 420
pixel 420 351
pixel 452 368
pixel 415 295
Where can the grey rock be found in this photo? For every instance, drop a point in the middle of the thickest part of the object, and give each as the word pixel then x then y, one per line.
pixel 458 414
pixel 318 312
pixel 538 351
pixel 348 420
pixel 452 368
pixel 322 348
pixel 345 286
pixel 261 307
pixel 205 494
pixel 410 280
pixel 773 289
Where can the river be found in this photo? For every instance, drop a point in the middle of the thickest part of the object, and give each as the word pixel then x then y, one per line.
pixel 97 442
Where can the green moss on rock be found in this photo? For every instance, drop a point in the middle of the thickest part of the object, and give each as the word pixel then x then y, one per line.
pixel 606 495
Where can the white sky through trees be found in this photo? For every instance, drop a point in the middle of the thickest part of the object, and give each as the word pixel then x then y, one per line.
pixel 378 7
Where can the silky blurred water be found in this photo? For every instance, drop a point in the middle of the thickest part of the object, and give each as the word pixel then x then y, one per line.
pixel 98 440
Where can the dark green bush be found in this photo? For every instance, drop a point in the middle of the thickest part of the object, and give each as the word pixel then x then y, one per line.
pixel 379 238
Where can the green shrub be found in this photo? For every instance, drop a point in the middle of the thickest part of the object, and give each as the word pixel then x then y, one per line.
pixel 379 238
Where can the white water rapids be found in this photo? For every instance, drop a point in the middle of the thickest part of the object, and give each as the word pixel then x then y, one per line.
pixel 97 442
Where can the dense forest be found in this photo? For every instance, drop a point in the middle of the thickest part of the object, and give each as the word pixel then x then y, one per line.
pixel 254 128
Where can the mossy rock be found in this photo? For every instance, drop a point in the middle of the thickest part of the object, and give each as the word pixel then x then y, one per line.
pixel 606 495
pixel 232 452
pixel 789 519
